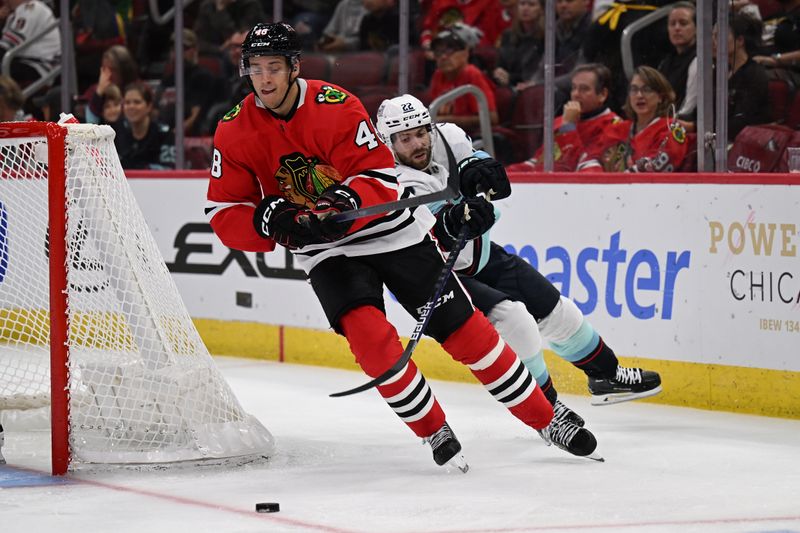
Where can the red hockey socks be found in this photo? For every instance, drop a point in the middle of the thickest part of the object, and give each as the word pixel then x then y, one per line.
pixel 376 346
pixel 477 345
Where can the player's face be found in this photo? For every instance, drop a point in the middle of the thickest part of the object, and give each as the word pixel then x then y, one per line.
pixel 584 90
pixel 270 77
pixel 413 147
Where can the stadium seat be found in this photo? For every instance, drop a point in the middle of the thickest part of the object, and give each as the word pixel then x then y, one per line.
pixel 485 58
pixel 523 134
pixel 504 97
pixel 779 100
pixel 213 64
pixel 315 66
pixel 768 8
pixel 793 112
pixel 372 99
pixel 416 70
pixel 197 152
pixel 359 69
pixel 759 148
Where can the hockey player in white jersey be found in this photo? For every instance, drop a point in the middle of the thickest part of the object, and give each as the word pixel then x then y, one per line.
pixel 24 20
pixel 522 304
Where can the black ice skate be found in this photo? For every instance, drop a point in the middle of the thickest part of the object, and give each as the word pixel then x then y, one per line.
pixel 561 412
pixel 447 449
pixel 571 438
pixel 628 384
pixel 2 441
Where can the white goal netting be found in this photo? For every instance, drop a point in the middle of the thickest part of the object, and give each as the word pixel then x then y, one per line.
pixel 142 386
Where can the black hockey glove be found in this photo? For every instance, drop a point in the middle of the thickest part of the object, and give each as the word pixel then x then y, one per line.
pixel 289 224
pixel 477 214
pixel 335 199
pixel 482 175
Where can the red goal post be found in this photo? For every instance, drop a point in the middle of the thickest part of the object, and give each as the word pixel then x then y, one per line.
pixel 90 319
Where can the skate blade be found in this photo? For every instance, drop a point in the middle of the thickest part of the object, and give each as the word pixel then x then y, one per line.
pixel 457 463
pixel 610 399
pixel 594 456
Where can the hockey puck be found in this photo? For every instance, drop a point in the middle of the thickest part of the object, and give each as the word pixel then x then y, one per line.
pixel 268 507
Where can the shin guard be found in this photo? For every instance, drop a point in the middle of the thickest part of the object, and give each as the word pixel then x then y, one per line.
pixel 477 345
pixel 574 339
pixel 519 329
pixel 376 347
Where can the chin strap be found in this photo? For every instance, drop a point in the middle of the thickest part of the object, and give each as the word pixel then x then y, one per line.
pixel 285 96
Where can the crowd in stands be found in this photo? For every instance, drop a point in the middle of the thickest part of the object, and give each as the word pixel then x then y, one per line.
pixel 606 121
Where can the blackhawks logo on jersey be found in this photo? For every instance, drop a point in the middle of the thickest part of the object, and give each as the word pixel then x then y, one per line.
pixel 233 113
pixel 303 178
pixel 329 95
pixel 678 133
pixel 616 158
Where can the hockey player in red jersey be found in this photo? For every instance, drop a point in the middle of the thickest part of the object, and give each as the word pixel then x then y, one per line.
pixel 584 118
pixel 652 141
pixel 296 151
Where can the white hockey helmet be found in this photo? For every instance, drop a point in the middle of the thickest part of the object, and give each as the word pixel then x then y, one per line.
pixel 401 113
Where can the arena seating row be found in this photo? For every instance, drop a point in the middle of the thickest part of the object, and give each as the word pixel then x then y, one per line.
pixel 373 77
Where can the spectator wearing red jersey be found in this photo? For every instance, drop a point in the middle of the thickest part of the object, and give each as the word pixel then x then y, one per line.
pixel 585 117
pixel 652 141
pixel 453 69
pixel 486 15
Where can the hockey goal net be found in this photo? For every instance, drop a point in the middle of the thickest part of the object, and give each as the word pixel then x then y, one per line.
pixel 91 322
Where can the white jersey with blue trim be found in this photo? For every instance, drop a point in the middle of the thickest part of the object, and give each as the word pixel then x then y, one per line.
pixel 28 20
pixel 435 178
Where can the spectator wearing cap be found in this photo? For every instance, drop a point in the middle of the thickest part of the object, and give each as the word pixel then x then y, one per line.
pixel 451 49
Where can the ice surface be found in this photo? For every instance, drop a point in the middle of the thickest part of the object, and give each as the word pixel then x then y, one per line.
pixel 349 465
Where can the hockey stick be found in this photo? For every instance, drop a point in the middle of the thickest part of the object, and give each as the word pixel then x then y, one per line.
pixel 448 193
pixel 430 305
pixel 422 323
pixel 413 201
